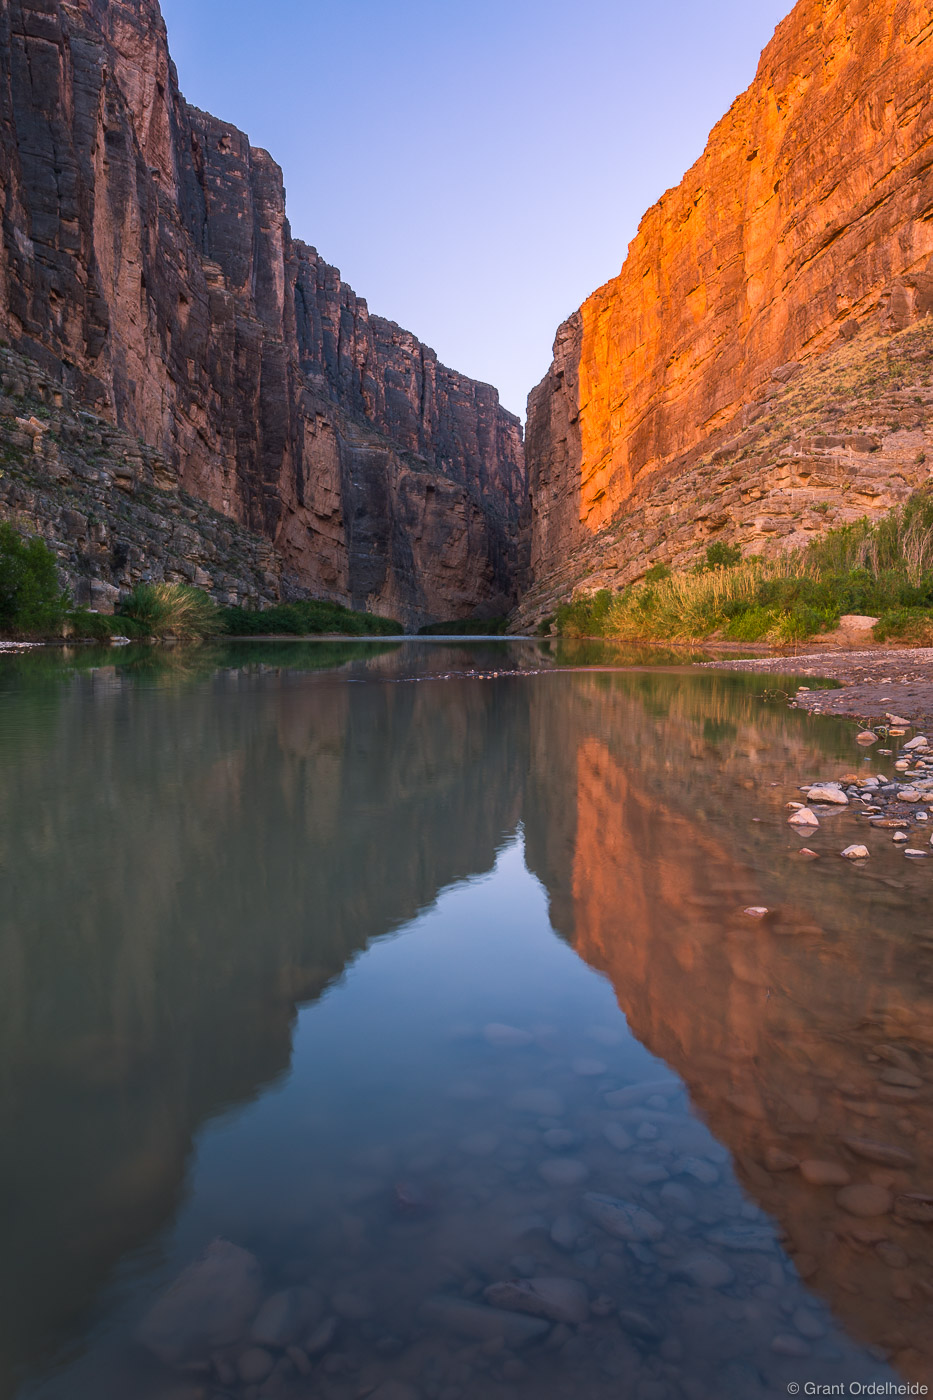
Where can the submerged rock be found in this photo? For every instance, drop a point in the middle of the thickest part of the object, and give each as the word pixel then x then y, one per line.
pixel 622 1218
pixel 481 1323
pixel 206 1308
pixel 704 1270
pixel 285 1315
pixel 560 1299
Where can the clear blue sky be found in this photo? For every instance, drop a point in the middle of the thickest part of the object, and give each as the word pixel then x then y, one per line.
pixel 474 170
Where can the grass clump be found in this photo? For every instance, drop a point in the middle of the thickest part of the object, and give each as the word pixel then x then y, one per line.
pixel 31 601
pixel 884 570
pixel 308 617
pixel 167 610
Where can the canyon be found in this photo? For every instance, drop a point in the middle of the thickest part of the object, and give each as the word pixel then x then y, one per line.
pixel 800 241
pixel 189 392
pixel 149 277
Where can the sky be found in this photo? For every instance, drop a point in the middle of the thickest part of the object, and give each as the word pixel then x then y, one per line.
pixel 474 170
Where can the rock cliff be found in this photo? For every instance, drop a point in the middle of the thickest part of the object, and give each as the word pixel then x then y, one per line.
pixel 806 226
pixel 147 264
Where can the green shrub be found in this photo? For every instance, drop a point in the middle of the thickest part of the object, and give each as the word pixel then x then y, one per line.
pixel 307 617
pixel 723 556
pixel 31 600
pixel 169 610
pixel 586 616
pixel 657 573
pixel 913 626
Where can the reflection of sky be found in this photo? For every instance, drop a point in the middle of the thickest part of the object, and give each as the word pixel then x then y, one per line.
pixel 474 170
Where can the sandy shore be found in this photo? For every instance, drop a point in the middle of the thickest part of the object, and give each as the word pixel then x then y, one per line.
pixel 876 683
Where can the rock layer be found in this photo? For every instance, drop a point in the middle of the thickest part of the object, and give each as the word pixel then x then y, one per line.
pixel 147 262
pixel 808 219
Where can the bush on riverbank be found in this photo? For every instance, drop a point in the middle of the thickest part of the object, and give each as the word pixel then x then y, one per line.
pixel 884 570
pixel 309 617
pixel 466 627
pixel 31 601
pixel 167 610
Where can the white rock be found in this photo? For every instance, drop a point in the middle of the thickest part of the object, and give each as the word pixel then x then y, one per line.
pixel 803 818
pixel 756 911
pixel 913 852
pixel 587 1068
pixel 828 792
pixel 866 737
pixel 856 853
pixel 901 836
pixel 206 1308
pixel 919 742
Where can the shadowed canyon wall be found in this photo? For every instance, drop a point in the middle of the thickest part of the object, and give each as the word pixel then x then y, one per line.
pixel 147 262
pixel 807 222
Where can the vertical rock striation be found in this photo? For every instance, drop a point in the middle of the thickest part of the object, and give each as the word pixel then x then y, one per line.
pixel 147 260
pixel 808 217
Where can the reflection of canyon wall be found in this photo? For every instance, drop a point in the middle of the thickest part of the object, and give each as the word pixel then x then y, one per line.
pixel 782 1029
pixel 218 854
pixel 146 261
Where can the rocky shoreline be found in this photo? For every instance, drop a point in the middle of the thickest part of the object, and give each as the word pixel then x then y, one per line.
pixel 873 684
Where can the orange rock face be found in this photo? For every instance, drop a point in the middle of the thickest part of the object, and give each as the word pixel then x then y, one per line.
pixel 809 214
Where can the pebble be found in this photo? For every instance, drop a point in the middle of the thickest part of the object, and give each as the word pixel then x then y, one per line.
pixel 904 1078
pixel 637 1093
pixel 803 818
pixel 299 1359
pixel 698 1168
pixel 819 1173
pixel 622 1218
pixel 756 911
pixel 786 1344
pixel 913 1205
pixel 563 1171
pixel 648 1173
pixel 742 1237
pixel 559 1299
pixel 856 852
pixel 566 1232
pixel 587 1068
pixel 206 1308
pixel 317 1341
pixel 284 1315
pixel 914 854
pixel 254 1365
pixel 639 1324
pixel 865 1200
pixel 808 1324
pixel 395 1390
pixel 478 1322
pixel 617 1137
pixel 506 1037
pixel 881 1152
pixel 900 836
pixel 557 1139
pixel 777 1160
pixel 704 1270
pixel 865 736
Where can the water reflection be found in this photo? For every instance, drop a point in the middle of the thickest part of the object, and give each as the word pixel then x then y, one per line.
pixel 234 831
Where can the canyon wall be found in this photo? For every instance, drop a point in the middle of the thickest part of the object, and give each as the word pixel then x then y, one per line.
pixel 147 262
pixel 806 224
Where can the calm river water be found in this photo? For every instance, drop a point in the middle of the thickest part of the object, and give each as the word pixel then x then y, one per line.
pixel 357 989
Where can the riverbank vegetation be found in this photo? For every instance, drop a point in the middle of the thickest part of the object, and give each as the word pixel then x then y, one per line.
pixel 882 570
pixel 34 606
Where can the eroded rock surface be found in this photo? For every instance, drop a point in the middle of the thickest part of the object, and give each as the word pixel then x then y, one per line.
pixel 673 411
pixel 147 263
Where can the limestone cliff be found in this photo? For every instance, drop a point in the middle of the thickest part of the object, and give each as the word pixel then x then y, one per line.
pixel 806 224
pixel 148 264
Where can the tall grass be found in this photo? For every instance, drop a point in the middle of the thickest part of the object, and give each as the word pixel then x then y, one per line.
pixel 170 610
pixel 884 570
